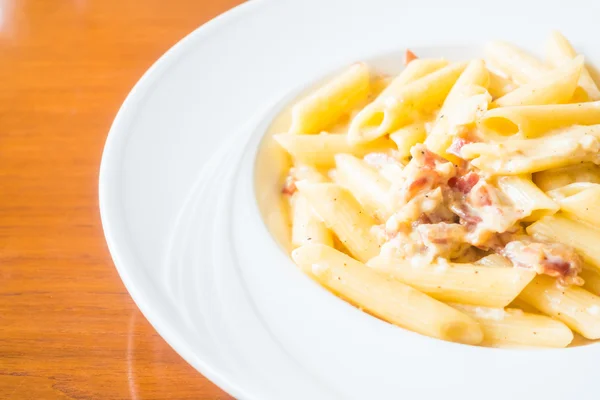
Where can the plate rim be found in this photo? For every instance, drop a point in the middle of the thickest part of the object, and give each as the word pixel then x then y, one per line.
pixel 117 132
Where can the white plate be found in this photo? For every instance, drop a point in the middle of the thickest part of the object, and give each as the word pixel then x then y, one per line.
pixel 179 208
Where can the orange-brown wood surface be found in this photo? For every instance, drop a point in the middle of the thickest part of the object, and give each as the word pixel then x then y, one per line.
pixel 68 327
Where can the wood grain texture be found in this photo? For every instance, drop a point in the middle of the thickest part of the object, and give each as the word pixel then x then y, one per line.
pixel 68 327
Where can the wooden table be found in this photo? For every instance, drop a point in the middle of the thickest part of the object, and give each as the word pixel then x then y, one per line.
pixel 68 327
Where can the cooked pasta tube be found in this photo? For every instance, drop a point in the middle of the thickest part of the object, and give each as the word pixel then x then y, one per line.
pixel 320 150
pixel 560 51
pixel 584 205
pixel 576 307
pixel 369 187
pixel 467 99
pixel 385 297
pixel 509 328
pixel 554 87
pixel 592 280
pixel 393 109
pixel 514 62
pixel 307 227
pixel 344 216
pixel 522 156
pixel 558 177
pixel 500 85
pixel 323 107
pixel 407 136
pixel 562 229
pixel 458 283
pixel 526 196
pixel 532 121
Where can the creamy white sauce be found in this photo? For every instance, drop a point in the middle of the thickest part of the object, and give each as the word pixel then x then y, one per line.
pixel 495 314
pixel 593 310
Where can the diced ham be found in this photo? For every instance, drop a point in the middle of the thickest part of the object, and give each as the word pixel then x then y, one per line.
pixel 409 56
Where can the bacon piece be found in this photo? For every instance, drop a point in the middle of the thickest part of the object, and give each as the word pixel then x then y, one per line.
pixel 289 186
pixel 550 258
pixel 409 56
pixel 464 183
pixel 423 156
pixel 426 180
pixel 425 171
pixel 466 216
pixel 481 196
pixel 443 240
pixel 482 208
pixel 423 219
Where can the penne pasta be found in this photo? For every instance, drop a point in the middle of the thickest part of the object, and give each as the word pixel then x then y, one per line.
pixel 369 187
pixel 322 108
pixel 569 190
pixel 467 99
pixel 415 70
pixel 522 156
pixel 508 328
pixel 407 136
pixel 584 205
pixel 306 226
pixel 554 87
pixel 344 216
pixel 562 229
pixel 379 84
pixel 394 109
pixel 499 85
pixel 560 51
pixel 515 63
pixel 558 177
pixel 592 280
pixel 474 74
pixel 532 121
pixel 526 196
pixel 384 297
pixel 320 150
pixel 576 307
pixel 519 304
pixel 459 120
pixel 458 283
